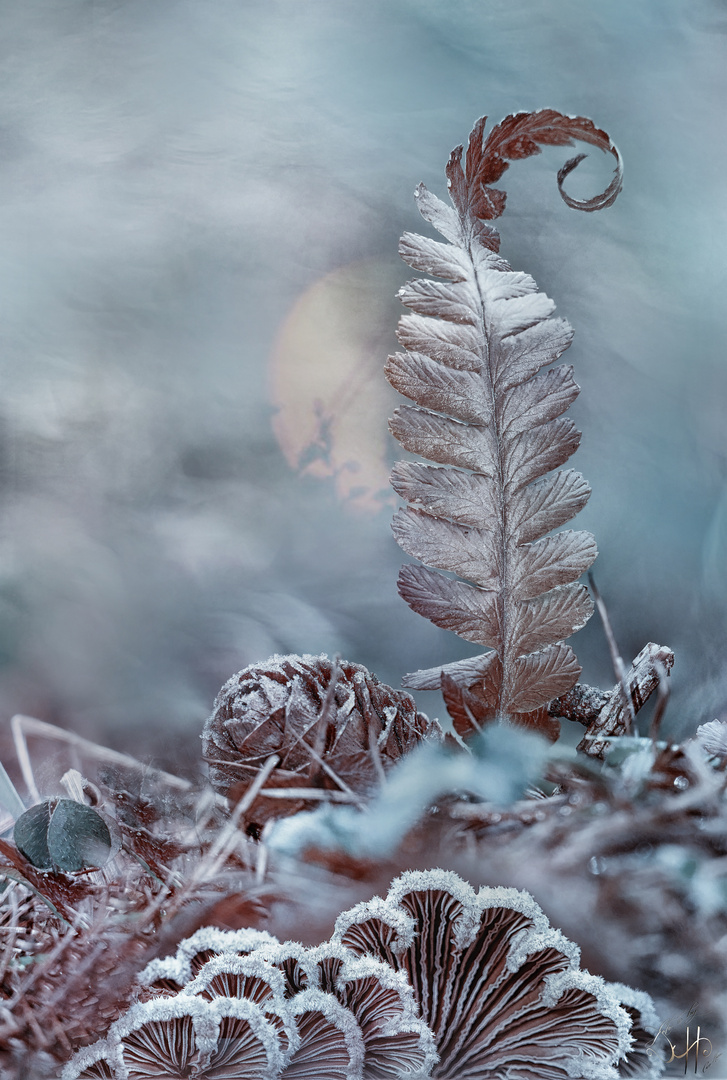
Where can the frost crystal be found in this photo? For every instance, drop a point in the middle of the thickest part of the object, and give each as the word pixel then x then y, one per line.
pixel 645 1059
pixel 713 737
pixel 172 972
pixel 274 1010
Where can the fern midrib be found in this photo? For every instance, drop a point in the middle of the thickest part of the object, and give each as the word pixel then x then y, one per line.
pixel 503 600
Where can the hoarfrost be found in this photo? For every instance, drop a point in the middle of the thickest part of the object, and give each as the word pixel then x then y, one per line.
pixel 244 1009
pixel 342 1018
pixel 713 737
pixel 206 939
pixel 377 908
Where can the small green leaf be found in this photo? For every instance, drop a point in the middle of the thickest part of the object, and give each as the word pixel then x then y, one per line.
pixel 78 837
pixel 63 835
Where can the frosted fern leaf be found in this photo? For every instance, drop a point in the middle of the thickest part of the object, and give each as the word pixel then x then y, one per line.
pixel 491 421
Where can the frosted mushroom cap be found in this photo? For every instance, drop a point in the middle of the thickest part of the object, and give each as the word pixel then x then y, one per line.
pixel 256 1007
pixel 186 1035
pixel 646 1059
pixel 173 972
pixel 499 988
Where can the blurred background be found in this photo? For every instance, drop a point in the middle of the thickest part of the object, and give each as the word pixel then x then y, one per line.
pixel 200 202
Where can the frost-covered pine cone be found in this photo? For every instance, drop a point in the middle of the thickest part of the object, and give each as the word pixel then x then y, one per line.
pixel 332 725
pixel 501 990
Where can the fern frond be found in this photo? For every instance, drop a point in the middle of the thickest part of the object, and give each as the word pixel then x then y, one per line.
pixel 491 421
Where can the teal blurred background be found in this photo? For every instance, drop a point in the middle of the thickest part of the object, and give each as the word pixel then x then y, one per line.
pixel 200 202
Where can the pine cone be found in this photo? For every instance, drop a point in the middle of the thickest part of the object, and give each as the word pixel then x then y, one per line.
pixel 332 724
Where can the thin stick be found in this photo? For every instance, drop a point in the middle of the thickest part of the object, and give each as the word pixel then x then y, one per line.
pixel 14 929
pixel 21 749
pixel 72 781
pixel 244 804
pixel 333 775
pixel 321 721
pixel 616 659
pixel 323 717
pixel 228 836
pixel 320 794
pixel 38 969
pixel 9 797
pixel 215 857
pixel 661 704
pixel 21 724
pixel 261 864
pixel 373 744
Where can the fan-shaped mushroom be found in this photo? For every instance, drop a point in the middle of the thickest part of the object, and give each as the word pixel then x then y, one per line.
pixel 499 988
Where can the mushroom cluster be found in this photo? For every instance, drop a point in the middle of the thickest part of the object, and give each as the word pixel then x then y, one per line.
pixel 435 981
pixel 240 1004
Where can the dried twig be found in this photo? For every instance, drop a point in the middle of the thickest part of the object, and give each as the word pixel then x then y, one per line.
pixel 317 794
pixel 664 691
pixel 616 659
pixel 603 712
pixel 353 797
pixel 642 678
